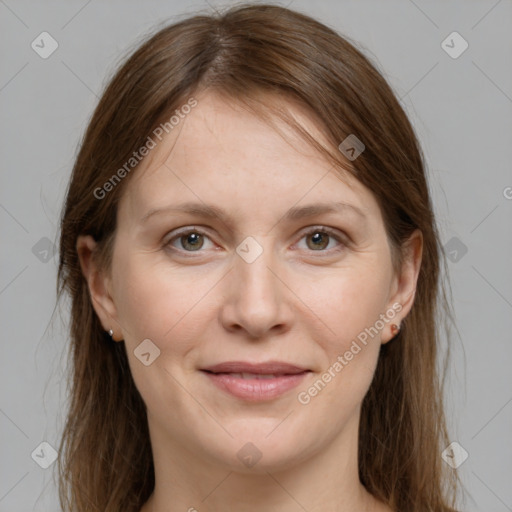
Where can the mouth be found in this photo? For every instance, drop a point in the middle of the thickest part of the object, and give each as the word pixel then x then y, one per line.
pixel 255 382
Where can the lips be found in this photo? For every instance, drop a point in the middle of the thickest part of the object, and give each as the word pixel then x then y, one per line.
pixel 255 382
pixel 268 368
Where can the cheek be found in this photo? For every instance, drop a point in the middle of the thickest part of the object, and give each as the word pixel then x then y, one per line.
pixel 347 300
pixel 156 301
pixel 169 308
pixel 349 303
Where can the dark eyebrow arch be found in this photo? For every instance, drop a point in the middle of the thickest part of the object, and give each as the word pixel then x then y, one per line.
pixel 294 213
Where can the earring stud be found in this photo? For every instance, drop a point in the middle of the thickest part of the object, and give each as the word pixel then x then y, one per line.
pixel 111 333
pixel 395 329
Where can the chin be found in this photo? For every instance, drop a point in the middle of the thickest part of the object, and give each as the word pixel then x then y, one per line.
pixel 259 450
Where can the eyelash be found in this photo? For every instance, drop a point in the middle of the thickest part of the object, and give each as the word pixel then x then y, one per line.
pixel 316 229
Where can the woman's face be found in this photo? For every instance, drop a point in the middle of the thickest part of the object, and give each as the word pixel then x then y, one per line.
pixel 270 288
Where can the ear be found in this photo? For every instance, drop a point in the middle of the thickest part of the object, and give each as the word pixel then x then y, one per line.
pixel 404 284
pixel 99 285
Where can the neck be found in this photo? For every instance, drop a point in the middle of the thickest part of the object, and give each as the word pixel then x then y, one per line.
pixel 327 480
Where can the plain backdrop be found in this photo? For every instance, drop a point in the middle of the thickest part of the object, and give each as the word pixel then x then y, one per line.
pixel 460 106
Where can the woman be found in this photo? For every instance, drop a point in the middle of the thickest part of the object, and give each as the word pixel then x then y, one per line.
pixel 253 263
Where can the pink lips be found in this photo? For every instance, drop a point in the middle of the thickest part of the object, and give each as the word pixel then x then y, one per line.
pixel 255 382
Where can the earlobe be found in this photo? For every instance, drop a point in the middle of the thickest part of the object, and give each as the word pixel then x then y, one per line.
pixel 97 282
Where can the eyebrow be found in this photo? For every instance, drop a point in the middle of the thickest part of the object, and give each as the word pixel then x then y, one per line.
pixel 294 213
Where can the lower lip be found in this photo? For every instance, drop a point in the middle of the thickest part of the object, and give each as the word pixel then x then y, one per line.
pixel 256 390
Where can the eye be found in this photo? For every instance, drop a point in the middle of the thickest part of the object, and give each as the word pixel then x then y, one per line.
pixel 190 240
pixel 319 237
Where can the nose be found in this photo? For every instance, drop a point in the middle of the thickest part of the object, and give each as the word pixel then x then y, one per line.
pixel 257 299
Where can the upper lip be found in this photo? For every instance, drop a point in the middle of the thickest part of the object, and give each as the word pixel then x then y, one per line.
pixel 270 367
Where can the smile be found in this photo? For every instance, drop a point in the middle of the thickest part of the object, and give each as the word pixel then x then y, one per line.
pixel 254 385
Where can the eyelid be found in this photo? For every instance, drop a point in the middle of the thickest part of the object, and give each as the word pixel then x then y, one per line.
pixel 335 233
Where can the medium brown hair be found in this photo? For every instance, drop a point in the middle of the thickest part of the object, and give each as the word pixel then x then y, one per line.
pixel 248 53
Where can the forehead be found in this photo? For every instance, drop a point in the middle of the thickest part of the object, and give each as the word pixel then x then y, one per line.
pixel 222 152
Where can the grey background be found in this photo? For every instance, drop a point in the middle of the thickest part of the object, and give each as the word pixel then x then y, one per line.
pixel 461 109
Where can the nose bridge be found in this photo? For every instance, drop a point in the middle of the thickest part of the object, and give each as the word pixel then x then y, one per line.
pixel 255 258
pixel 256 301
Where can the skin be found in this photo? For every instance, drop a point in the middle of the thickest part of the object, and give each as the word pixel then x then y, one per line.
pixel 301 301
